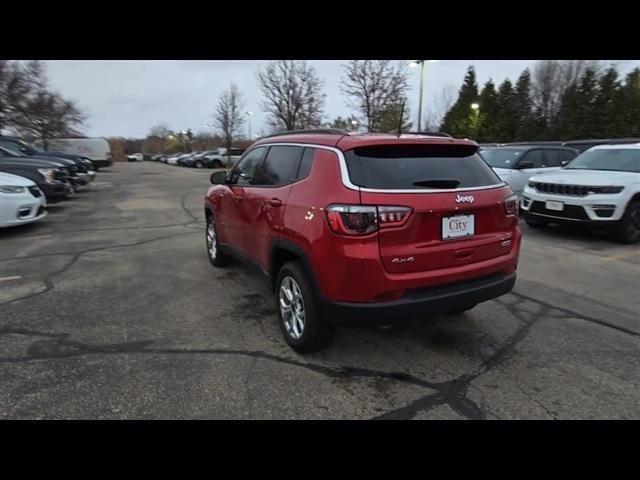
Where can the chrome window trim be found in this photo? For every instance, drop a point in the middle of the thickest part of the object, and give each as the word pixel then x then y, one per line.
pixel 346 180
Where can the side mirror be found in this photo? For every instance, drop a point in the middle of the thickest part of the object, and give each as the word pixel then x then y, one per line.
pixel 219 178
pixel 525 164
pixel 564 163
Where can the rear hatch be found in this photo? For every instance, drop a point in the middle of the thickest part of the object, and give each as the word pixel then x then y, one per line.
pixel 458 215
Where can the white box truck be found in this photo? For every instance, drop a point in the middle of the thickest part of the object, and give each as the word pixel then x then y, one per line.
pixel 96 149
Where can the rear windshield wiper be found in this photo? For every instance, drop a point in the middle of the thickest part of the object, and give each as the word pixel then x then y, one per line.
pixel 438 183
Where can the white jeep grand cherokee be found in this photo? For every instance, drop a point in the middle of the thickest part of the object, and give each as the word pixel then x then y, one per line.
pixel 599 187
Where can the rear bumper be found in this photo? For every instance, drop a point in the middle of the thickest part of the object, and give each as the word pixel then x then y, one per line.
pixel 422 302
pixel 102 163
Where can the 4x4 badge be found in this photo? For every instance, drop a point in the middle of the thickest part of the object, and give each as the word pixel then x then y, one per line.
pixel 403 260
pixel 464 198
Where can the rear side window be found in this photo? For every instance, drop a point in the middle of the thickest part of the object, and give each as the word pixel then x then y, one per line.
pixel 553 158
pixel 535 158
pixel 412 167
pixel 568 155
pixel 305 163
pixel 280 166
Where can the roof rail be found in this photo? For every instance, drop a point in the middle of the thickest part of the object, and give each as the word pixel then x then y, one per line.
pixel 320 131
pixel 431 134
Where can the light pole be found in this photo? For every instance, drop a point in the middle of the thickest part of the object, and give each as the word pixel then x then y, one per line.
pixel 249 115
pixel 415 64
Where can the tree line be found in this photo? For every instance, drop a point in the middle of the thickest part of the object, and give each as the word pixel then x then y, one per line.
pixel 556 101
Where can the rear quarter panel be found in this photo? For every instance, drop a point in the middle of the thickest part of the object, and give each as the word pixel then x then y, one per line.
pixel 305 224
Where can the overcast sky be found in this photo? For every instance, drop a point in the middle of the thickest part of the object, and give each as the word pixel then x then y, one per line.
pixel 127 98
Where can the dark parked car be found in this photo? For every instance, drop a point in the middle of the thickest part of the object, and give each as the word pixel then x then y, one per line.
pixel 584 145
pixel 579 145
pixel 84 164
pixel 50 176
pixel 199 159
pixel 76 179
pixel 186 160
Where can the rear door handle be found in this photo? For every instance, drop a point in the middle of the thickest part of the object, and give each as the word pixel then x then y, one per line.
pixel 275 202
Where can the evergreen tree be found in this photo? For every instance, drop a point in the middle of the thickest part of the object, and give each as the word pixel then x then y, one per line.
pixel 523 104
pixel 488 114
pixel 506 119
pixel 587 90
pixel 578 116
pixel 460 119
pixel 567 126
pixel 628 110
pixel 605 105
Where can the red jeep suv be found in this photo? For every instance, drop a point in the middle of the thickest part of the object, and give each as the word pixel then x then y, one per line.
pixel 365 227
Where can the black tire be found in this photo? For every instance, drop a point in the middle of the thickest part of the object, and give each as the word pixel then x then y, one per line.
pixel 199 164
pixel 317 332
pixel 216 164
pixel 628 228
pixel 220 259
pixel 535 222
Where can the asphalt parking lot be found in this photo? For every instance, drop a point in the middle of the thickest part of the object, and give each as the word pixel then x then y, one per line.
pixel 111 310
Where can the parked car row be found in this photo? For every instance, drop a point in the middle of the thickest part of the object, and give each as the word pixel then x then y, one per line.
pixel 217 158
pixel 579 145
pixel 598 187
pixel 31 179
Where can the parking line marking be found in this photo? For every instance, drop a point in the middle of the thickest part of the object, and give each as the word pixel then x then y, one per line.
pixel 3 279
pixel 621 256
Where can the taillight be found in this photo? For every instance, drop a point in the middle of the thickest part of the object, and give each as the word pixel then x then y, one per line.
pixel 393 216
pixel 511 205
pixel 364 219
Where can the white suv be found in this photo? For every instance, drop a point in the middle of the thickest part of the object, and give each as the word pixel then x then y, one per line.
pixel 514 164
pixel 600 187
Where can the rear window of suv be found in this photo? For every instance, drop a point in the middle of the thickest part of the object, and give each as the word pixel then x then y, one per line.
pixel 413 167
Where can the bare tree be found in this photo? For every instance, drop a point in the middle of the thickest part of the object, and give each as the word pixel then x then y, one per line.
pixel 227 117
pixel 293 94
pixel 551 78
pixel 438 107
pixel 47 115
pixel 160 131
pixel 5 73
pixel 19 82
pixel 373 87
pixel 28 107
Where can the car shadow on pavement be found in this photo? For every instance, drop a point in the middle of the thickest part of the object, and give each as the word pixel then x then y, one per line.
pixel 20 230
pixel 573 233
